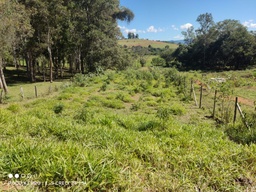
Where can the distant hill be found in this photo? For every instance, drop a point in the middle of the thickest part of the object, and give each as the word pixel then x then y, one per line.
pixel 177 41
pixel 146 43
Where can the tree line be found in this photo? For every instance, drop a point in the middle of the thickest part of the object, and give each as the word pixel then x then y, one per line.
pixel 50 34
pixel 216 46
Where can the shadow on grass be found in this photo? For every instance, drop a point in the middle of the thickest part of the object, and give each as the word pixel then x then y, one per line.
pixel 19 76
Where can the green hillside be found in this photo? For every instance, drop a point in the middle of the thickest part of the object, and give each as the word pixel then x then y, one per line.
pixel 146 43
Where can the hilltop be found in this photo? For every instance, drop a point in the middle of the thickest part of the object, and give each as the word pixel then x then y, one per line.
pixel 146 43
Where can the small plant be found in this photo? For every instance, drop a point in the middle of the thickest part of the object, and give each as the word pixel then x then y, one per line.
pixel 135 107
pixel 163 113
pixel 103 87
pixel 177 109
pixel 58 108
pixel 83 115
pixel 15 108
pixel 143 62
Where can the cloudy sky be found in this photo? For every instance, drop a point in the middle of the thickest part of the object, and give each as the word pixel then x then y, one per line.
pixel 166 19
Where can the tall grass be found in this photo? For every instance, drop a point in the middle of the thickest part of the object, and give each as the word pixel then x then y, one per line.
pixel 113 140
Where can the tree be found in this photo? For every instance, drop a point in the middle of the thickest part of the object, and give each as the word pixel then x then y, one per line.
pixel 189 35
pixel 14 29
pixel 236 47
pixel 226 44
pixel 206 22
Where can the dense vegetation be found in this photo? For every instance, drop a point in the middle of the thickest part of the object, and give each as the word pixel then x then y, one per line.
pixel 48 35
pixel 216 46
pixel 128 131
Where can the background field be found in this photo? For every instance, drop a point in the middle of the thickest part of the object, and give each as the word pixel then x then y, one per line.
pixel 146 43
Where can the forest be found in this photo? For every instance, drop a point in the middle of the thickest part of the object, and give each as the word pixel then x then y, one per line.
pixel 50 35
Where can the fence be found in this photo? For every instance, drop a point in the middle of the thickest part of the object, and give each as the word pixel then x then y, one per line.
pixel 220 105
pixel 29 91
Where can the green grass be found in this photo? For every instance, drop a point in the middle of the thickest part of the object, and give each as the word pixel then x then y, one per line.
pixel 119 140
pixel 146 43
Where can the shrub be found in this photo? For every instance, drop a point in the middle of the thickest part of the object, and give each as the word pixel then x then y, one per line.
pixel 79 80
pixel 103 87
pixel 158 61
pixel 58 108
pixel 177 109
pixel 83 115
pixel 240 134
pixel 143 62
pixel 135 107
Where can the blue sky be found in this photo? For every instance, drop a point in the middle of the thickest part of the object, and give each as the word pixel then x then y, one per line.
pixel 166 19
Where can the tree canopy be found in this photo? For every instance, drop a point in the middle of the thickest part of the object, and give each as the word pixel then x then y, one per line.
pixel 223 45
pixel 54 33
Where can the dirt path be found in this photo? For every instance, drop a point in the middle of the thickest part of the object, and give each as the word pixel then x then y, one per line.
pixel 245 101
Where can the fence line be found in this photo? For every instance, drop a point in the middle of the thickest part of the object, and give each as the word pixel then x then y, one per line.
pixel 27 93
pixel 225 110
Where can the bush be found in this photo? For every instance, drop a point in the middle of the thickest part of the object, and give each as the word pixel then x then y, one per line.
pixel 241 134
pixel 80 80
pixel 58 108
pixel 143 62
pixel 158 61
pixel 83 115
pixel 177 109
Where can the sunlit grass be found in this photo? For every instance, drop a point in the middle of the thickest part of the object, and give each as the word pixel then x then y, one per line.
pixel 130 137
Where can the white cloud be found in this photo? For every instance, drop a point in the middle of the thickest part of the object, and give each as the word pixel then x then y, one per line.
pixel 121 27
pixel 250 24
pixel 174 28
pixel 152 29
pixel 186 26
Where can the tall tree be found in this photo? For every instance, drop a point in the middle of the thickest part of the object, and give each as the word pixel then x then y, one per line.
pixel 14 29
pixel 206 22
pixel 226 44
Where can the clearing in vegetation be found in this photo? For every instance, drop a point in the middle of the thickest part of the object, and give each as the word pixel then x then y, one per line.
pixel 135 130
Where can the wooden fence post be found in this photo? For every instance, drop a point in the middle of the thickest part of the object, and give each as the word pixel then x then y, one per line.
pixel 35 91
pixel 201 95
pixel 194 95
pixel 50 89
pixel 214 104
pixel 185 86
pixel 21 93
pixel 191 87
pixel 236 102
pixel 243 117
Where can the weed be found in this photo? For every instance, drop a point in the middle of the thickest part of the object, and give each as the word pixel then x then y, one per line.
pixel 103 87
pixel 58 108
pixel 15 108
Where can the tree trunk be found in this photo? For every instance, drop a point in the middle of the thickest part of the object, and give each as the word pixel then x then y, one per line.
pixel 50 56
pixel 3 84
pixel 51 63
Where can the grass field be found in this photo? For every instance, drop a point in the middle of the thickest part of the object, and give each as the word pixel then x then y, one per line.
pixel 134 130
pixel 146 43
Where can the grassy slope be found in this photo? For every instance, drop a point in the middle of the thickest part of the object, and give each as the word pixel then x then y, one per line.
pixel 126 132
pixel 146 43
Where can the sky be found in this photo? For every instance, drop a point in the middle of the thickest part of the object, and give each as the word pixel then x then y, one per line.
pixel 165 19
